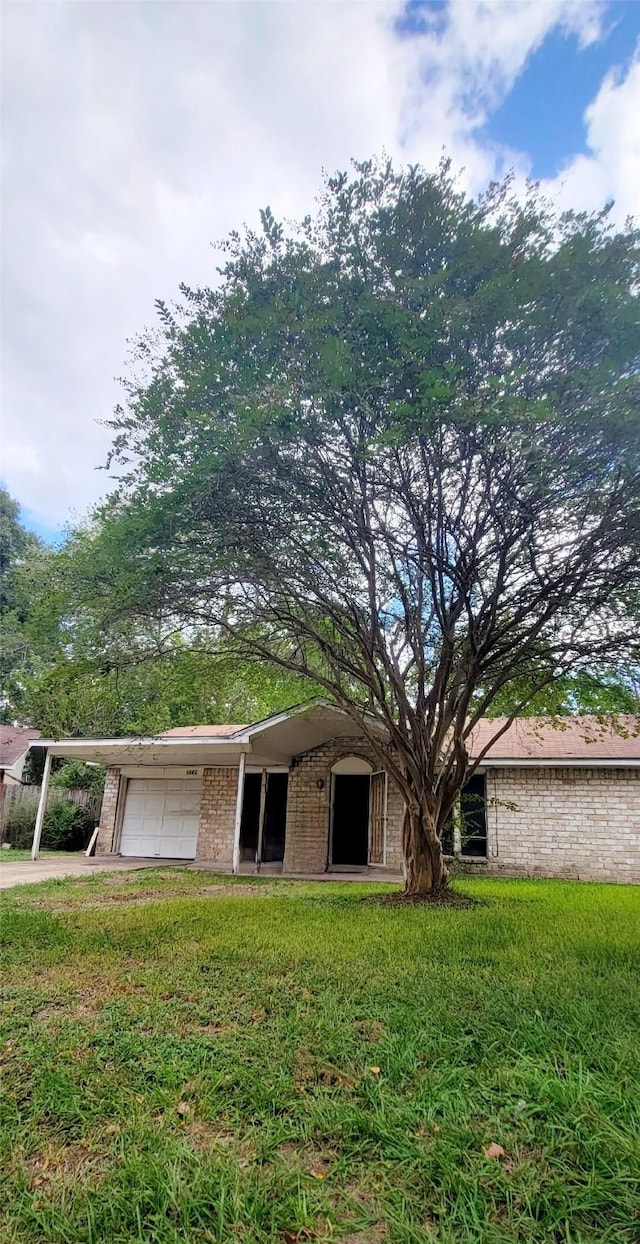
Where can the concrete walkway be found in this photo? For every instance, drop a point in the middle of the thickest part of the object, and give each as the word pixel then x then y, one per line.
pixel 23 872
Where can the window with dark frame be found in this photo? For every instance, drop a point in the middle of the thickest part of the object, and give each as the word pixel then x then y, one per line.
pixel 447 835
pixel 473 821
pixel 473 817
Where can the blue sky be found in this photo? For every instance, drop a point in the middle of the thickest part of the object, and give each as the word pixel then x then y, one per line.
pixel 134 135
pixel 543 114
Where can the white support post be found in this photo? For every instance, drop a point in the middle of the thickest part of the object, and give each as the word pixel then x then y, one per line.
pixel 235 862
pixel 42 807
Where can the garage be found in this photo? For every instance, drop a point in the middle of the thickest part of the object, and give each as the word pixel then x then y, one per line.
pixel 161 817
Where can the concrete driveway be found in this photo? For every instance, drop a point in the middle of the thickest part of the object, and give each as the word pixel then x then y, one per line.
pixel 22 872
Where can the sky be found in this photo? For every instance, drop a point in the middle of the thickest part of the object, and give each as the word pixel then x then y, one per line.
pixel 136 135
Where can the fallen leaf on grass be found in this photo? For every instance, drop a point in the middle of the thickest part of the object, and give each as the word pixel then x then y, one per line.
pixel 494 1151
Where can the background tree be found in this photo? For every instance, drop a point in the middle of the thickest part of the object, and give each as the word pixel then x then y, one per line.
pixel 22 555
pixel 395 451
pixel 66 674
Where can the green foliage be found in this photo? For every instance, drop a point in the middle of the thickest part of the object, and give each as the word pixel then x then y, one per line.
pixel 18 820
pixel 132 692
pixel 21 558
pixel 16 543
pixel 76 775
pixel 396 450
pixel 67 826
pixel 609 692
pixel 73 669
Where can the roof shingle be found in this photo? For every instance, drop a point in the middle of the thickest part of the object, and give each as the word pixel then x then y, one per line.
pixel 560 738
pixel 14 742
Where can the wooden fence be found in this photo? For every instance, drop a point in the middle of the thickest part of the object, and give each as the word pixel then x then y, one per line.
pixel 14 796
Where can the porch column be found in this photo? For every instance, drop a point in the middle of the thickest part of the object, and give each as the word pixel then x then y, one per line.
pixel 42 807
pixel 235 861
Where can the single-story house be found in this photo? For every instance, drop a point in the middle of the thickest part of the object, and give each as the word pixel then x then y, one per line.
pixel 303 792
pixel 15 742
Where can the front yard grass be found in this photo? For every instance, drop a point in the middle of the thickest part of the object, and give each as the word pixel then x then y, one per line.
pixel 192 1059
pixel 17 855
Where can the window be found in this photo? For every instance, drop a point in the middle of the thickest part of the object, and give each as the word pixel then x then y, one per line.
pixel 473 817
pixel 448 835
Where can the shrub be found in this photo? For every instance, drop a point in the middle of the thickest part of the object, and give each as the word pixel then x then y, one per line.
pixel 18 820
pixel 67 826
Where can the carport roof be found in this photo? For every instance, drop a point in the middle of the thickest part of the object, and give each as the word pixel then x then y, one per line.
pixel 277 739
pixel 202 732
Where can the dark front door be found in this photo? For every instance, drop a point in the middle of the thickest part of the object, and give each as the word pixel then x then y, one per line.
pixel 350 838
pixel 275 817
pixel 268 844
pixel 250 822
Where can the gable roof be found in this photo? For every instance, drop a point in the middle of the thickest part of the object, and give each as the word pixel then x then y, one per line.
pixel 559 739
pixel 202 732
pixel 14 742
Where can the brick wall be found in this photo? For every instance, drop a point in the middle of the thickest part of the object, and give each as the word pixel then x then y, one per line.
pixel 217 814
pixel 569 822
pixel 108 812
pixel 307 840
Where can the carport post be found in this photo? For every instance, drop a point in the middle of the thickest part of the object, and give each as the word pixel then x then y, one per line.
pixel 42 807
pixel 235 862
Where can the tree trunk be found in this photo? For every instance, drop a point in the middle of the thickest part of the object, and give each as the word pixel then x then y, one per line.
pixel 425 869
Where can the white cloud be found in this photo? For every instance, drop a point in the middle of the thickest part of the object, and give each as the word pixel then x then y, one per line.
pixel 612 169
pixel 136 134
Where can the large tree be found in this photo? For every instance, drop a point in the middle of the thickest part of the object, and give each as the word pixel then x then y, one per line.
pixel 395 449
pixel 22 556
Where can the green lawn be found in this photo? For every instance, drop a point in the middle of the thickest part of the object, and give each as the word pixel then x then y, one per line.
pixel 17 855
pixel 189 1059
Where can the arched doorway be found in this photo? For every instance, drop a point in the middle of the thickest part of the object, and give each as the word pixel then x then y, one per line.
pixel 349 827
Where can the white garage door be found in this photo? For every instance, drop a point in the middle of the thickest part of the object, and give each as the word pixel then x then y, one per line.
pixel 161 817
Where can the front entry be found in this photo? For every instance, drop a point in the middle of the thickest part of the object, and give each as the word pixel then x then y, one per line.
pixel 264 817
pixel 350 828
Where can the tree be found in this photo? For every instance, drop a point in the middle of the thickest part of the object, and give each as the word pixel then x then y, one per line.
pixel 67 675
pixel 20 552
pixel 395 451
pixel 76 775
